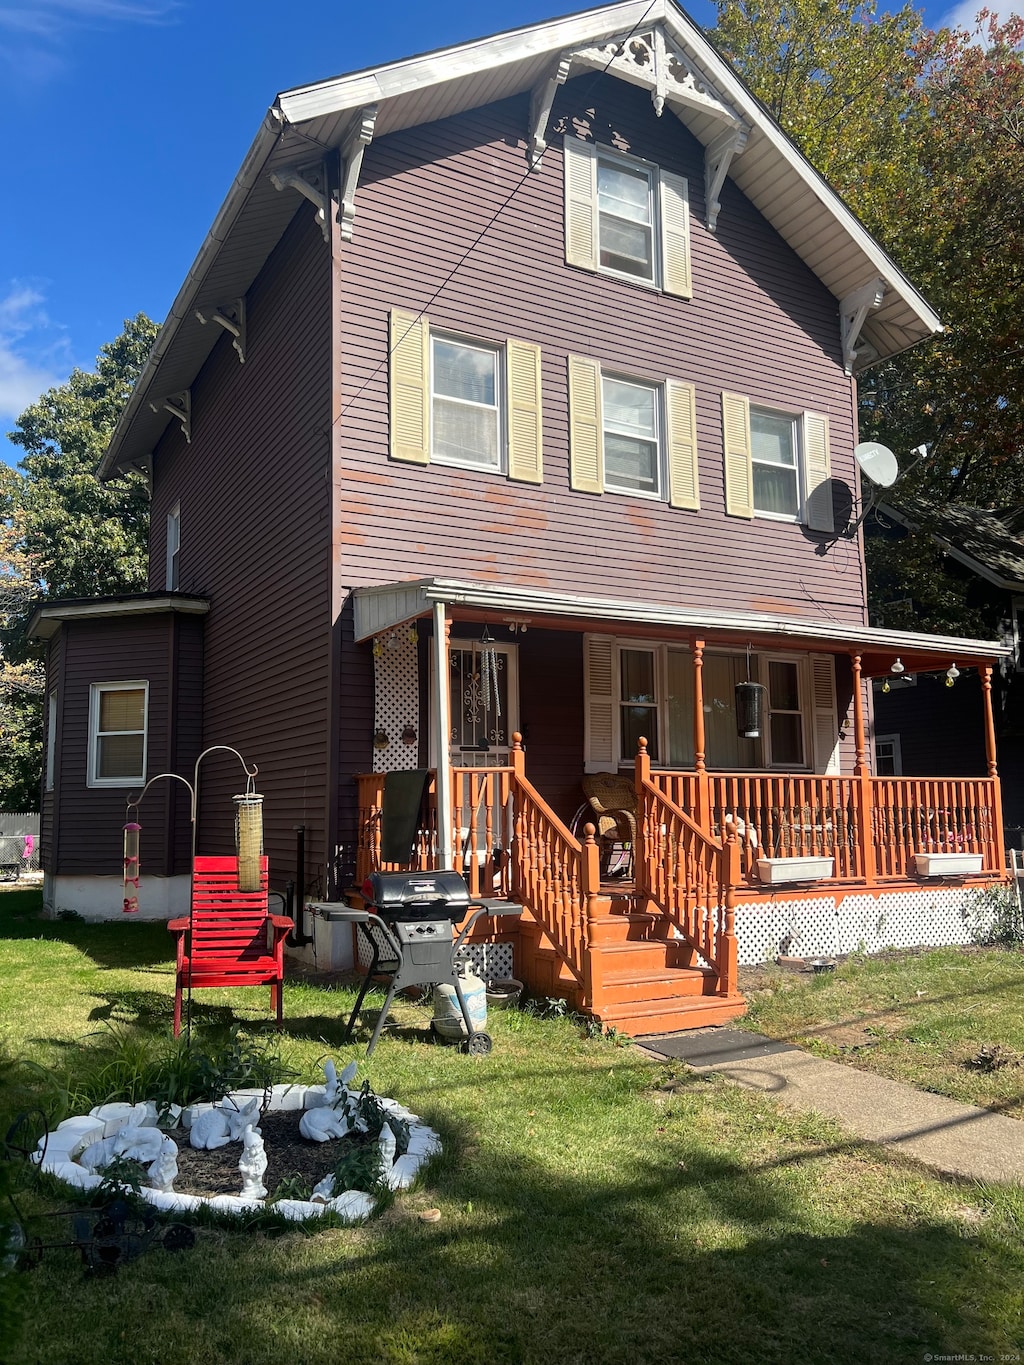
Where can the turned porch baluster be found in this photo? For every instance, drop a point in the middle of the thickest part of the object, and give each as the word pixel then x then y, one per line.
pixel 702 812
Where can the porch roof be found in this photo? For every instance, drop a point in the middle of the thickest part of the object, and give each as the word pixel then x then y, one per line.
pixel 381 608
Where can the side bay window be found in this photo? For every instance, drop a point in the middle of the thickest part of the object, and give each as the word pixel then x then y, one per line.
pixel 626 217
pixel 628 435
pixel 117 733
pixel 777 464
pixel 455 400
pixel 635 688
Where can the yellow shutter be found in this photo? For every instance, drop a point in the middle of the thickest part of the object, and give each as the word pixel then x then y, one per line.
pixel 817 473
pixel 675 235
pixel 586 437
pixel 826 718
pixel 739 486
pixel 599 711
pixel 580 203
pixel 522 382
pixel 409 383
pixel 683 487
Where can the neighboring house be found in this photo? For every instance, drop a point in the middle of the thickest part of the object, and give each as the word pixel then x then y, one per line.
pixel 528 365
pixel 929 726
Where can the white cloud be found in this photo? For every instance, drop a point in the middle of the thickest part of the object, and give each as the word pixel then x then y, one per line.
pixel 32 349
pixel 36 35
pixel 964 14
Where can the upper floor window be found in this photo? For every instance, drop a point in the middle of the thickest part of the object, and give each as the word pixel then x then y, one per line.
pixel 632 436
pixel 629 435
pixel 777 464
pixel 626 217
pixel 466 404
pixel 173 546
pixel 117 734
pixel 462 401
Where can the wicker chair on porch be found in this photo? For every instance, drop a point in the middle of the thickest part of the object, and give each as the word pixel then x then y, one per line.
pixel 612 798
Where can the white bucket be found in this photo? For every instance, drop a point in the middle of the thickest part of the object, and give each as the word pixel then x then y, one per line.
pixel 448 1018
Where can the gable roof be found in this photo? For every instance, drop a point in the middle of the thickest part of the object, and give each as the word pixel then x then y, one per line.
pixel 692 82
pixel 987 542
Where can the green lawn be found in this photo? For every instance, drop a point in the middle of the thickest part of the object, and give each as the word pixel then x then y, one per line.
pixel 596 1206
pixel 944 1019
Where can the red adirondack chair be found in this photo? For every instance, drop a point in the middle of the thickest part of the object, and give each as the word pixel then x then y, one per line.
pixel 234 939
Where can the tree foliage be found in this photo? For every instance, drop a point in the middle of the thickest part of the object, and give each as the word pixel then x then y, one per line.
pixel 923 134
pixel 64 534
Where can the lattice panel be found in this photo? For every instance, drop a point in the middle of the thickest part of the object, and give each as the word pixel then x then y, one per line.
pixel 931 917
pixel 396 690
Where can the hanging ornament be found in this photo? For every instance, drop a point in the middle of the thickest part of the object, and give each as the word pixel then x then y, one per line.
pixel 885 686
pixel 489 673
pixel 896 667
pixel 952 673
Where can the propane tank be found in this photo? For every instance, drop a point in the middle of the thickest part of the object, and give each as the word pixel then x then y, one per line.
pixel 448 1020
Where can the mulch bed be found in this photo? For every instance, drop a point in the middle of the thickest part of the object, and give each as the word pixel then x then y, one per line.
pixel 289 1154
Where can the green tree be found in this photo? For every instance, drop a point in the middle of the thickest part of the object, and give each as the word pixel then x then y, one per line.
pixel 64 534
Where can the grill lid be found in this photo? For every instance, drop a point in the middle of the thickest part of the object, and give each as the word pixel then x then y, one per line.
pixel 408 894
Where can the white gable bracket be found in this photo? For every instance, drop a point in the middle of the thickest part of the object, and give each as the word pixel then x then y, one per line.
pixel 654 62
pixel 718 155
pixel 541 100
pixel 853 311
pixel 355 143
pixel 179 405
pixel 311 183
pixel 230 316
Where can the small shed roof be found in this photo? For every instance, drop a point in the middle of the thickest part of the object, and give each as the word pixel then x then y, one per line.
pixel 702 91
pixel 989 542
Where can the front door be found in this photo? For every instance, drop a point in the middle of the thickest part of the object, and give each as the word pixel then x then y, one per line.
pixel 484 694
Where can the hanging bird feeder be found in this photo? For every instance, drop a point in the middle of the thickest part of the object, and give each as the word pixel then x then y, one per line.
pixel 249 837
pixel 132 830
pixel 749 706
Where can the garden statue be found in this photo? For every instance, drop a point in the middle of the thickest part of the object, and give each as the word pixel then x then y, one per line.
pixel 252 1165
pixel 240 1119
pixel 320 1125
pixel 98 1154
pixel 138 1144
pixel 388 1146
pixel 210 1130
pixel 164 1170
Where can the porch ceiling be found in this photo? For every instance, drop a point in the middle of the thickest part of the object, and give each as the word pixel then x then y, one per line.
pixel 379 609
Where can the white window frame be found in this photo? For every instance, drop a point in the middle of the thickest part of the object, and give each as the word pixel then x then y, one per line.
pixel 171 577
pixel 96 692
pixel 897 754
pixel 660 494
pixel 500 403
pixel 804 697
pixel 636 165
pixel 795 420
pixel 51 739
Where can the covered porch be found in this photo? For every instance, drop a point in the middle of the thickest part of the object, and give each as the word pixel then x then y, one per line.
pixel 657 945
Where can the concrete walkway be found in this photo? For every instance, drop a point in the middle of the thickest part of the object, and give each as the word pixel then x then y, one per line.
pixel 954 1139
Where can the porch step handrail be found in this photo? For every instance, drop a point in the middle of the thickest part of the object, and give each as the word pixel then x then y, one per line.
pixel 689 876
pixel 556 876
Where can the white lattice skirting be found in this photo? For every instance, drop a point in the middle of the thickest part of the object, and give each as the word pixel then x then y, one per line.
pixel 823 927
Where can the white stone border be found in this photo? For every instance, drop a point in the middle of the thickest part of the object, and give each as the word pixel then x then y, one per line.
pixel 57 1155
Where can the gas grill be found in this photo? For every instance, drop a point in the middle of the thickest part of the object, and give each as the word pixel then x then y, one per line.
pixel 408 924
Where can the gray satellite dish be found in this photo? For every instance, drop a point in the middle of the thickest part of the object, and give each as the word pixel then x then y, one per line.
pixel 877 463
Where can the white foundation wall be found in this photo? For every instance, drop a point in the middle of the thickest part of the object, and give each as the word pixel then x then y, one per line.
pixel 823 926
pixel 99 898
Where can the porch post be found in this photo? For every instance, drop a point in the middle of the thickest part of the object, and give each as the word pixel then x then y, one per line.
pixel 442 672
pixel 999 853
pixel 702 796
pixel 862 789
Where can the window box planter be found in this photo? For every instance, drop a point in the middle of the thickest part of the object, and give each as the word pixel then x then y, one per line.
pixel 947 864
pixel 774 871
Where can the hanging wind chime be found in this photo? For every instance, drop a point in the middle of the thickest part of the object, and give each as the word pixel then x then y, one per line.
pixel 489 674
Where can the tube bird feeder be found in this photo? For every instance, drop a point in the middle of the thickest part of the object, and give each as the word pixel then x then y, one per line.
pixel 249 839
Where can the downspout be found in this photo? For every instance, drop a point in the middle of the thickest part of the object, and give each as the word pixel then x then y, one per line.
pixel 442 672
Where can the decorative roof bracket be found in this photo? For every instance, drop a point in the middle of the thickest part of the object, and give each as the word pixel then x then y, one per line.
pixel 179 405
pixel 230 316
pixel 355 143
pixel 541 100
pixel 311 183
pixel 656 63
pixel 853 311
pixel 718 155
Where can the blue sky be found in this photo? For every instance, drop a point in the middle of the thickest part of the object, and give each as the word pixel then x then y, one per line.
pixel 127 120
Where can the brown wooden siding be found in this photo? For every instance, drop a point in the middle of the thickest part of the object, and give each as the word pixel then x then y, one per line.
pixel 48 828
pixel 90 820
pixel 759 323
pixel 255 538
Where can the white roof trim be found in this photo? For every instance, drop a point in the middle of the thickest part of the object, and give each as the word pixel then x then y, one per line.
pixel 379 609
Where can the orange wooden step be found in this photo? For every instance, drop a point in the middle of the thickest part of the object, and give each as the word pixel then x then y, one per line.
pixel 669 1016
pixel 668 984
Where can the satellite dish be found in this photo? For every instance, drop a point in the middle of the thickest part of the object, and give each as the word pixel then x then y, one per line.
pixel 877 463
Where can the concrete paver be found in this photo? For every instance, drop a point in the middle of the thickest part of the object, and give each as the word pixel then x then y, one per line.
pixel 954 1139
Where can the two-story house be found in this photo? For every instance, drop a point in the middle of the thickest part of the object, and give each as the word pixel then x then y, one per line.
pixel 504 429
